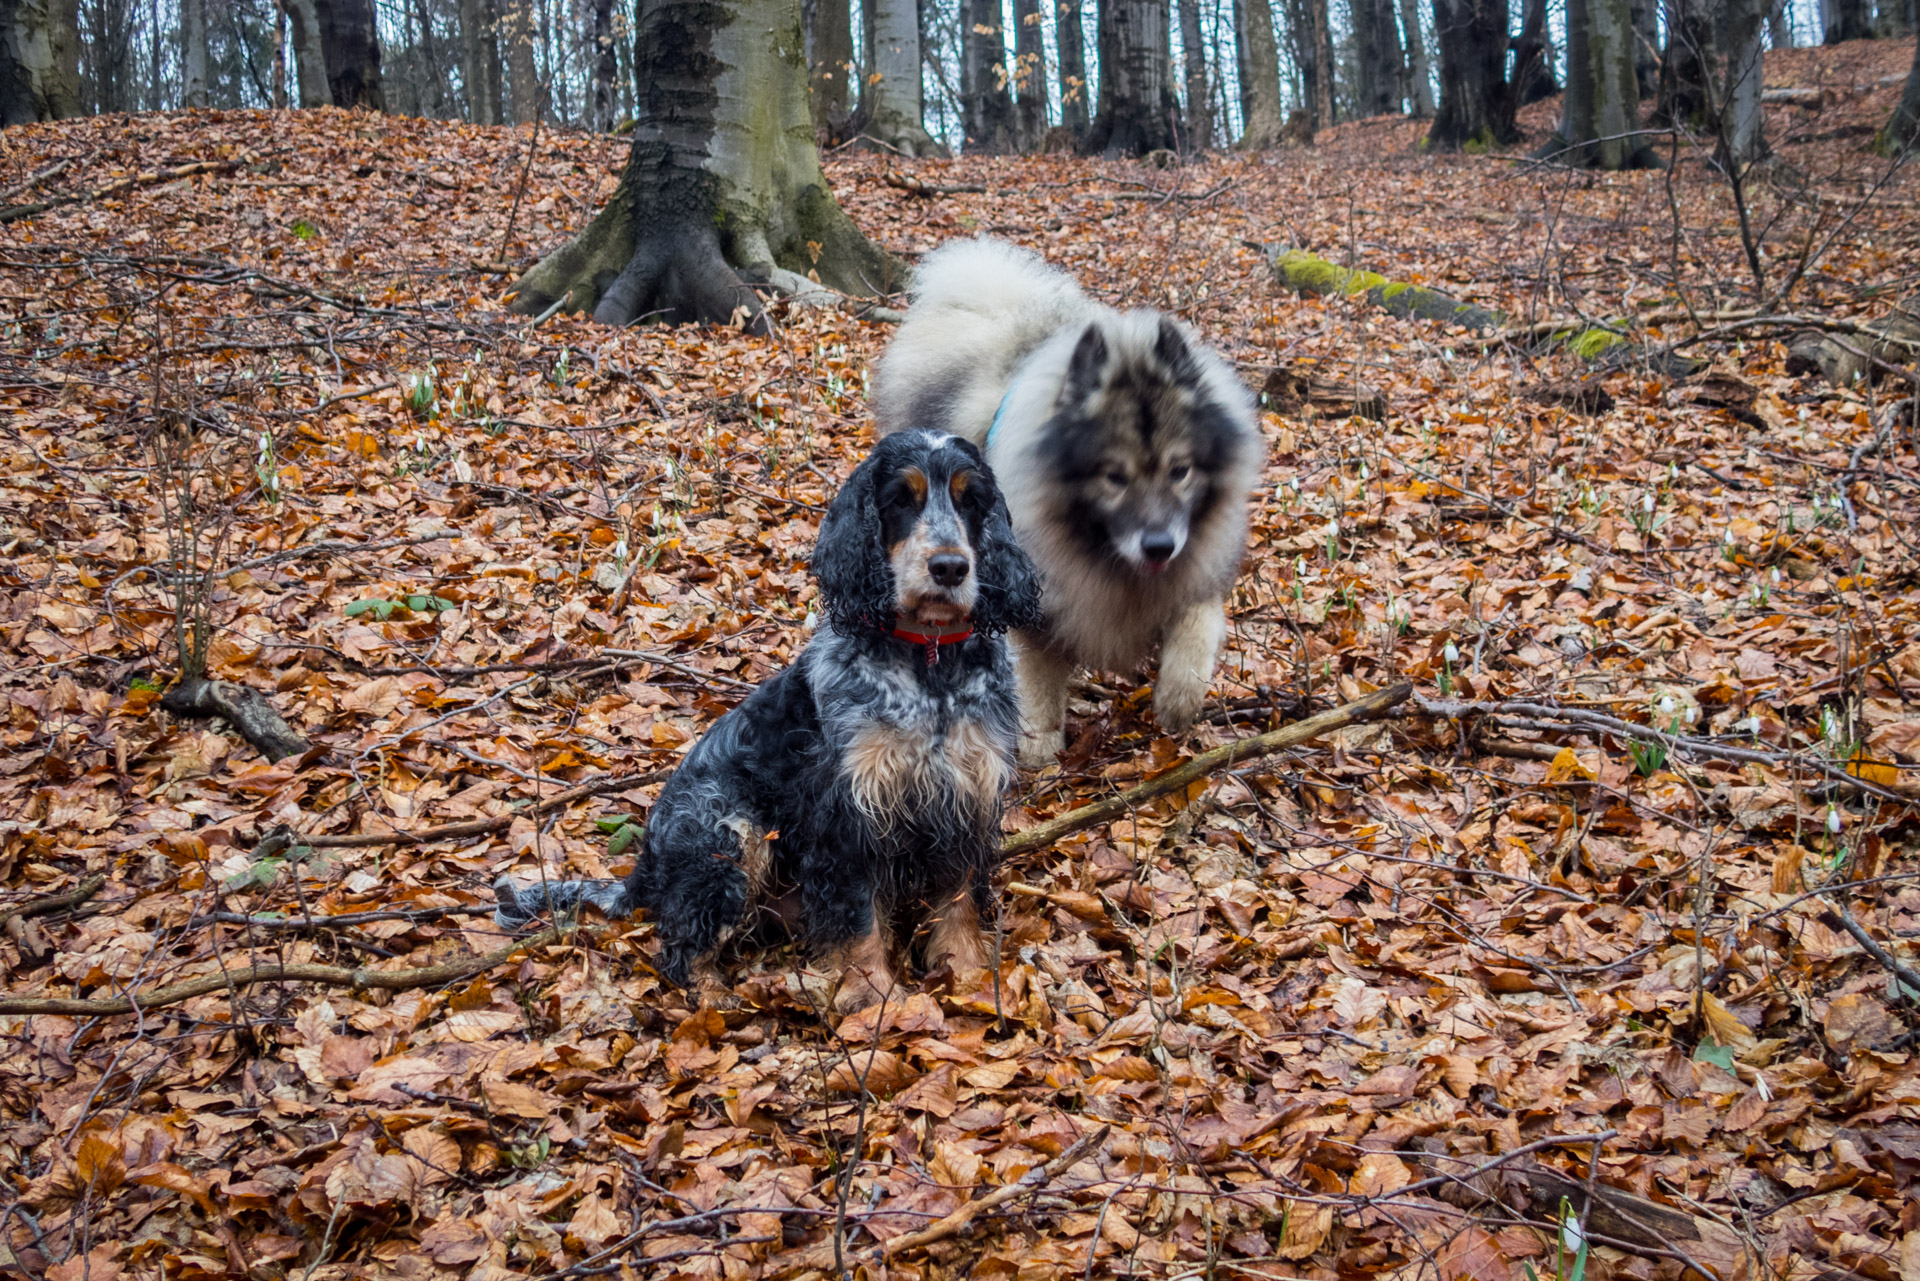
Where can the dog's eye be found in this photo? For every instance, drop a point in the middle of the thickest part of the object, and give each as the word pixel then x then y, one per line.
pixel 1179 473
pixel 1117 478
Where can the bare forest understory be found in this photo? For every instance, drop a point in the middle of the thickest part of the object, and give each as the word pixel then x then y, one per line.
pixel 1609 919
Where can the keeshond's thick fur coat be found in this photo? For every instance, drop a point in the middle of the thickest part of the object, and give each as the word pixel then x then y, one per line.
pixel 1124 446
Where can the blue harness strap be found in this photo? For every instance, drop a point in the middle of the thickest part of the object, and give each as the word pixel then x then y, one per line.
pixel 1001 412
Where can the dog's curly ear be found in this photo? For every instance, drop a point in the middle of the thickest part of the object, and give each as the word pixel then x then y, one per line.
pixel 1009 584
pixel 856 582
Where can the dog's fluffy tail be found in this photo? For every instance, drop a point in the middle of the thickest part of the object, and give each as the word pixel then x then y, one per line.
pixel 517 906
pixel 980 307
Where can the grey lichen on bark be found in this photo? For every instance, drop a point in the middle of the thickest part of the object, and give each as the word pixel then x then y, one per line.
pixel 722 190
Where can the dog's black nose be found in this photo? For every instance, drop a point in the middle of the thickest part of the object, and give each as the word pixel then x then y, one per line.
pixel 948 569
pixel 1157 547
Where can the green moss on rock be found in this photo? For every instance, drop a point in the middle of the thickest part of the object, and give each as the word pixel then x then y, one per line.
pixel 1591 344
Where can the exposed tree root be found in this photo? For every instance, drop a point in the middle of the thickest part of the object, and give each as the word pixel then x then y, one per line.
pixel 233 980
pixel 247 710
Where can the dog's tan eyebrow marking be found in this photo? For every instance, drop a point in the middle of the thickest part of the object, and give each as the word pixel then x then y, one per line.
pixel 916 481
pixel 958 485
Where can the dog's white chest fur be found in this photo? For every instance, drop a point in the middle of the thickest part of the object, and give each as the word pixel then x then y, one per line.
pixel 927 754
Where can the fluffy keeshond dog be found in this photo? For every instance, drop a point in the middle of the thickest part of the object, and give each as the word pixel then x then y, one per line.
pixel 1125 449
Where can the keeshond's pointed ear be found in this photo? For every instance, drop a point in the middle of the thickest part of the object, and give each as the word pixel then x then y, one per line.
pixel 1009 585
pixel 1175 354
pixel 855 577
pixel 1086 367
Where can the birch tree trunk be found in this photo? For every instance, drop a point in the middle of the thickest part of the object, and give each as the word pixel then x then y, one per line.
pixel 1070 38
pixel 1419 70
pixel 1262 88
pixel 39 60
pixel 193 54
pixel 350 45
pixel 1137 106
pixel 309 59
pixel 1193 56
pixel 722 187
pixel 894 107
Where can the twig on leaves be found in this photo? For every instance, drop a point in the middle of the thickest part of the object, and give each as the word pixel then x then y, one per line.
pixel 233 980
pixel 79 894
pixel 484 826
pixel 1840 917
pixel 1361 710
pixel 822 1256
pixel 14 212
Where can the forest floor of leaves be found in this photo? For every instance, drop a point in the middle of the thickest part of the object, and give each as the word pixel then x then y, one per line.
pixel 1358 1009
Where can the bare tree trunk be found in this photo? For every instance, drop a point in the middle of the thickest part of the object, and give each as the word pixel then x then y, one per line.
pixel 309 59
pixel 603 66
pixel 1376 35
pixel 523 81
pixel 1070 39
pixel 1243 71
pixel 1137 106
pixel 1419 70
pixel 1308 31
pixel 1193 55
pixel 193 54
pixel 1902 133
pixel 350 43
pixel 830 58
pixel 893 105
pixel 1476 102
pixel 1533 57
pixel 1779 29
pixel 1846 20
pixel 1263 76
pixel 39 60
pixel 722 186
pixel 1029 75
pixel 986 105
pixel 1738 55
pixel 480 69
pixel 1601 110
pixel 279 56
pixel 1646 45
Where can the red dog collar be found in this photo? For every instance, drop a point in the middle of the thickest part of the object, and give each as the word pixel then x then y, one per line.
pixel 932 640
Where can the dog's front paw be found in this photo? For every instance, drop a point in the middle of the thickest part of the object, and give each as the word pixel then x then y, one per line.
pixel 1176 702
pixel 1039 748
pixel 861 987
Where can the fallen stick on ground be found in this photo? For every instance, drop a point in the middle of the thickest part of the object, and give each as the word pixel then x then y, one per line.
pixel 233 980
pixel 250 712
pixel 55 902
pixel 117 186
pixel 482 826
pixel 1361 710
pixel 821 1256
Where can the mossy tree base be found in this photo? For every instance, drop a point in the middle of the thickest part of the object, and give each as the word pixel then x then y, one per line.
pixel 722 196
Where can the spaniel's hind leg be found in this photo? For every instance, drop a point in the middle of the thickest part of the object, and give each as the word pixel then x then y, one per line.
pixel 701 893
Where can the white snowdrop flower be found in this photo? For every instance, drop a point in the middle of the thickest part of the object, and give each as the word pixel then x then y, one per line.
pixel 1818 502
pixel 266 444
pixel 1666 704
pixel 1648 503
pixel 1833 820
pixel 1693 713
pixel 1752 724
pixel 1776 575
pixel 1673 473
pixel 1572 1239
pixel 1364 472
pixel 1452 652
pixel 620 549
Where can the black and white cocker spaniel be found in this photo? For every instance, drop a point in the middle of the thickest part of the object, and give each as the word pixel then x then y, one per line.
pixel 858 792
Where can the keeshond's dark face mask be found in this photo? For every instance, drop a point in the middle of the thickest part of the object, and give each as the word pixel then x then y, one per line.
pixel 1138 444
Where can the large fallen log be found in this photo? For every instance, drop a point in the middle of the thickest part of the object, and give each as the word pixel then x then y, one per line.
pixel 1844 359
